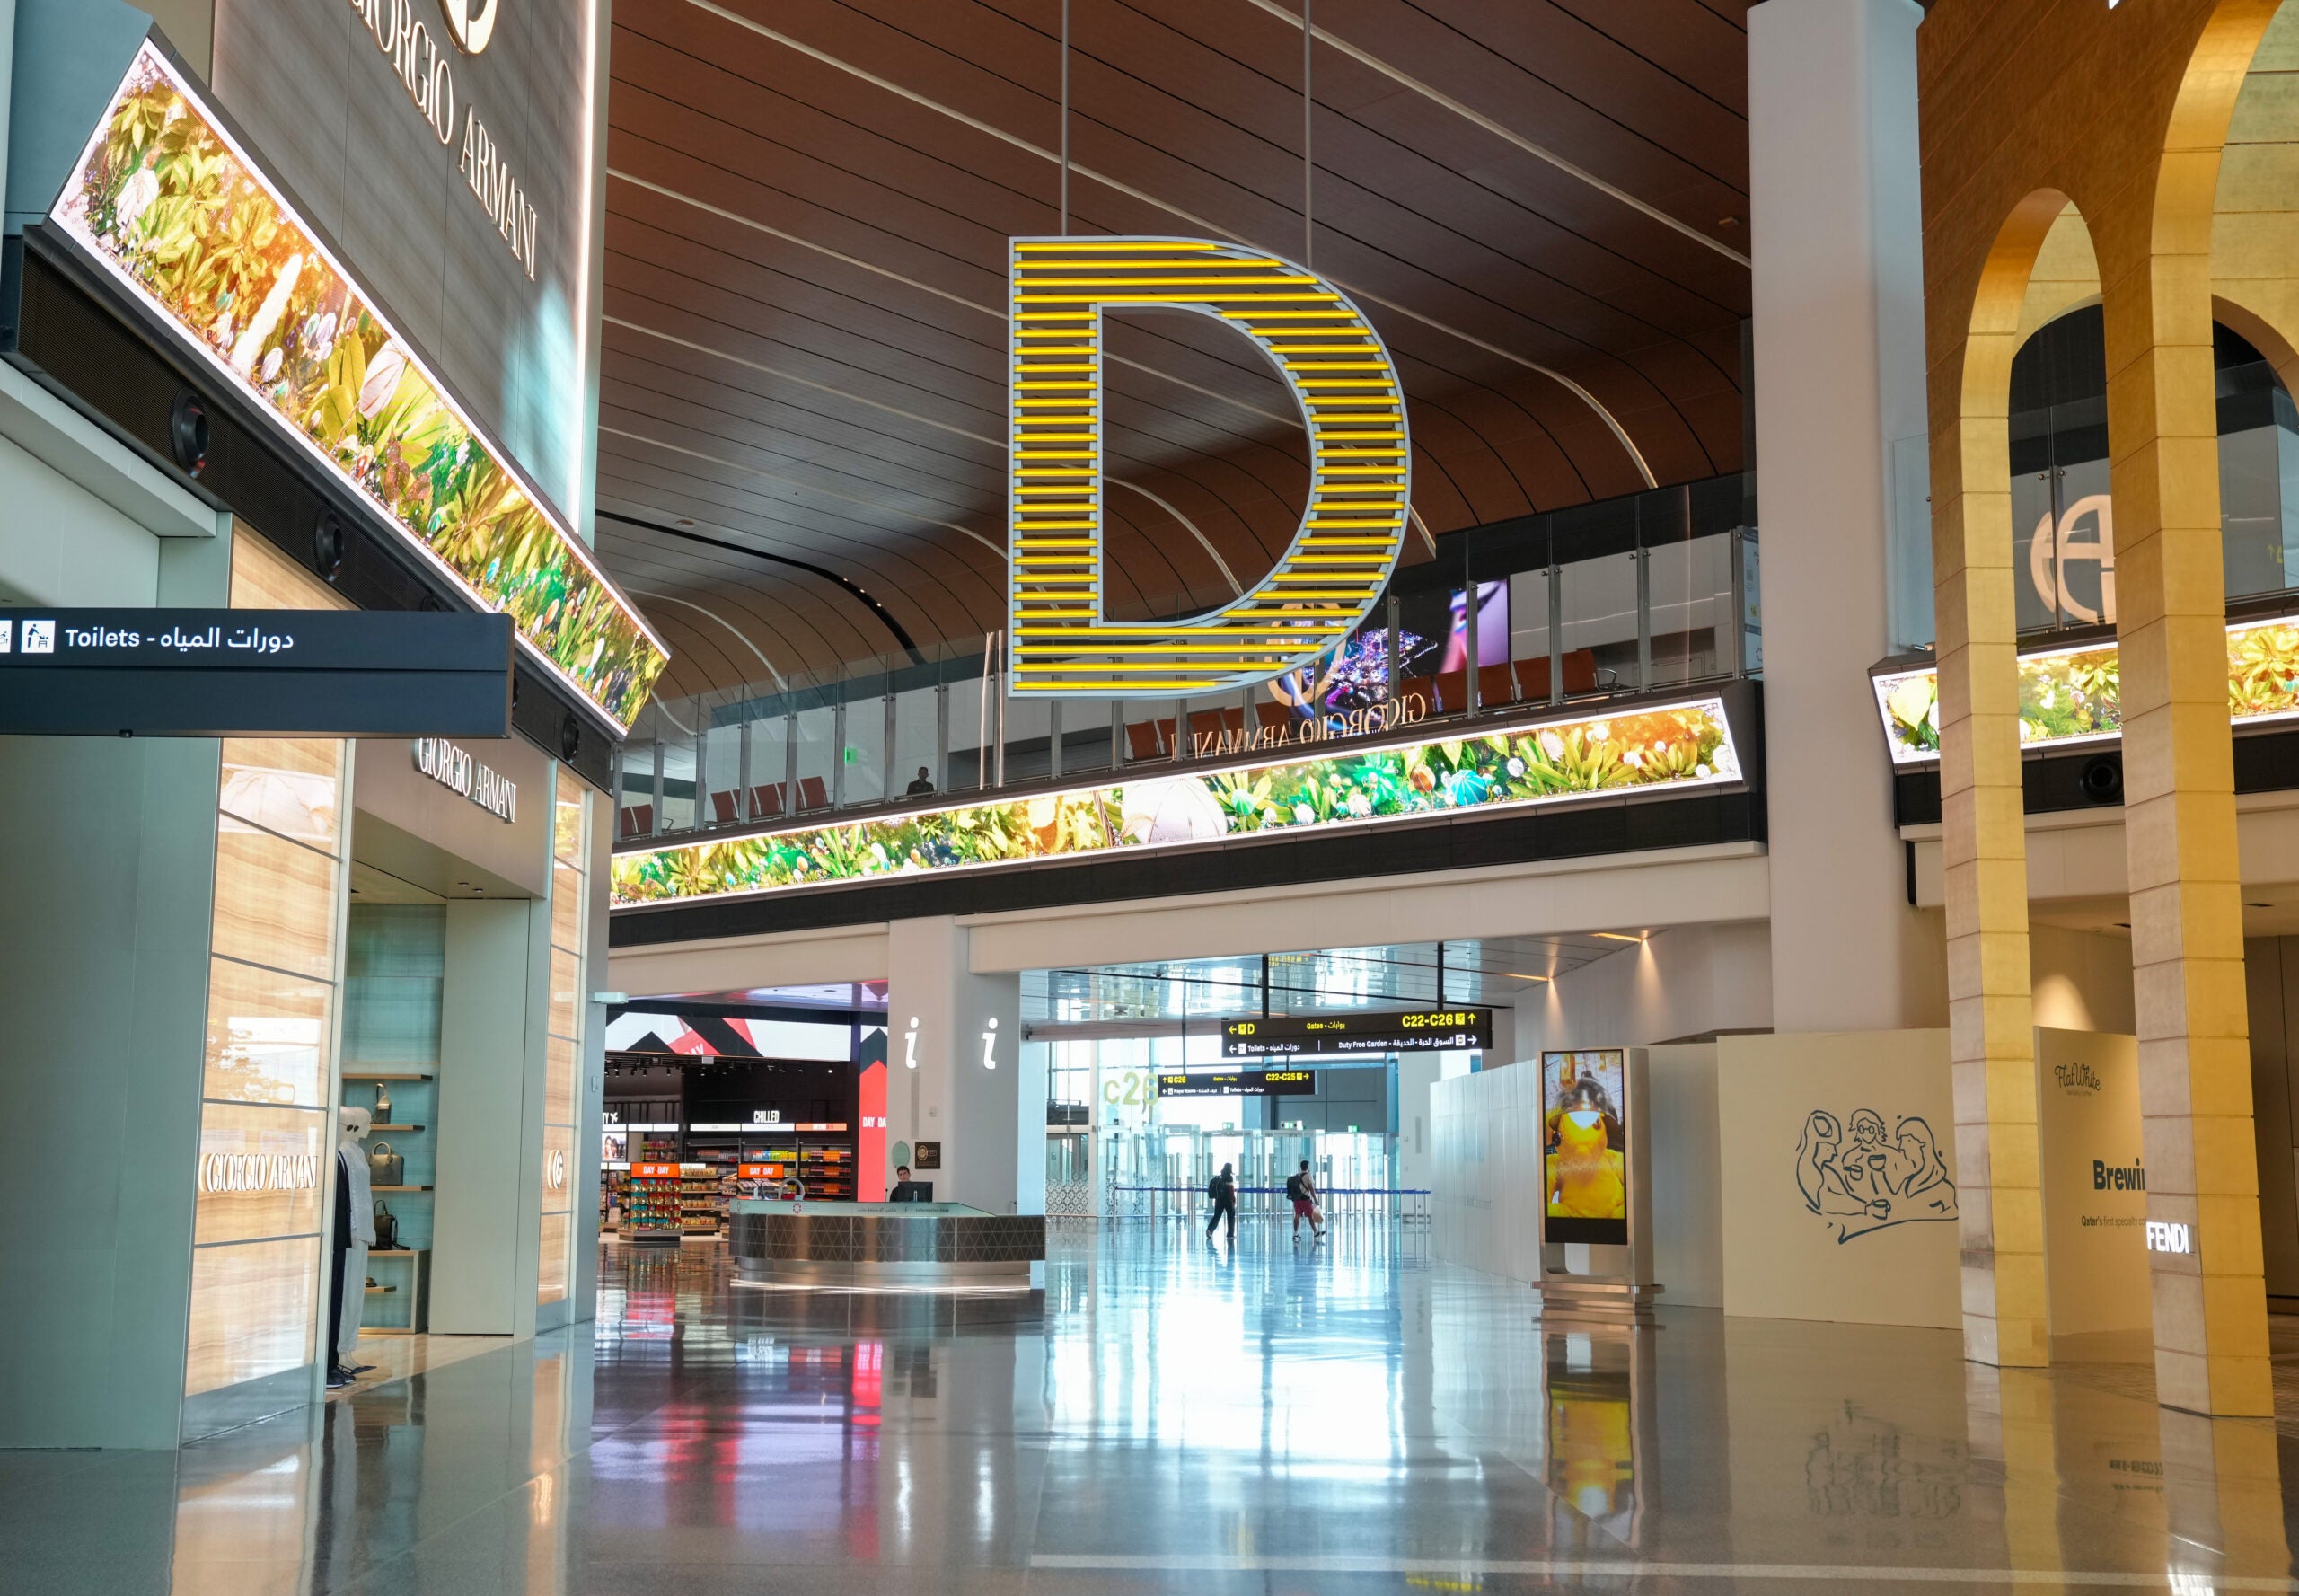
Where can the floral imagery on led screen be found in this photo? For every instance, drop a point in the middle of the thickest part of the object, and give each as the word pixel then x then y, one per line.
pixel 166 201
pixel 2071 695
pixel 1685 744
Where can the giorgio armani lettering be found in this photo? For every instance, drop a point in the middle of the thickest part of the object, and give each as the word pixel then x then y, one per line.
pixel 257 1172
pixel 423 64
pixel 453 768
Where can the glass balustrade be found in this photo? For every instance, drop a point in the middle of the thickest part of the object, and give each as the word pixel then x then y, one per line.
pixel 1647 593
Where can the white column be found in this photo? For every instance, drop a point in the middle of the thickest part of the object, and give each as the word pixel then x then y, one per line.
pixel 1837 296
pixel 957 1074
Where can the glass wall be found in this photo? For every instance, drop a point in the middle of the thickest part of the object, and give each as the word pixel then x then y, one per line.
pixel 563 1032
pixel 266 1137
pixel 2063 512
pixel 1648 592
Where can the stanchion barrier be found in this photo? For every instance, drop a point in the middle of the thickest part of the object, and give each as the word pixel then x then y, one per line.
pixel 1407 1204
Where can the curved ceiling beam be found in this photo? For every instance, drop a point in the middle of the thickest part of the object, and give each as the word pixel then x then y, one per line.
pixel 771 476
pixel 1438 96
pixel 741 635
pixel 909 282
pixel 947 426
pixel 1236 588
pixel 878 609
pixel 1076 169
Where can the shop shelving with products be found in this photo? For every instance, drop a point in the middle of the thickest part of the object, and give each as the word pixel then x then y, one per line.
pixel 394 971
pixel 822 1155
pixel 396 1302
pixel 701 1209
pixel 408 1127
pixel 652 1207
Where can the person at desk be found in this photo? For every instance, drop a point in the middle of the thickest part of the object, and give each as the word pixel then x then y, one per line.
pixel 907 1190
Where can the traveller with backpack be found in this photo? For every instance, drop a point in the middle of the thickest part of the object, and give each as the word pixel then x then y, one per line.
pixel 1223 1189
pixel 1303 1191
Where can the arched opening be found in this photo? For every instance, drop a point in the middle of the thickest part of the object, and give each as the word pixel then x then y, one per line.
pixel 2063 531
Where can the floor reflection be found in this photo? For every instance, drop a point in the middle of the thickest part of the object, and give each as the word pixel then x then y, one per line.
pixel 1165 1415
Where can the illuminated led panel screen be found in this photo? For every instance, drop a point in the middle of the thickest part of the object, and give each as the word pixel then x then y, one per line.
pixel 1681 745
pixel 2072 696
pixel 1584 1141
pixel 172 207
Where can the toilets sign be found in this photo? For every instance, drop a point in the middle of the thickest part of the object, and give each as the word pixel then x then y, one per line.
pixel 453 768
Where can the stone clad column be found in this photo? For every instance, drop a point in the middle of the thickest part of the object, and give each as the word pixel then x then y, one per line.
pixel 1983 846
pixel 2187 927
pixel 968 1090
pixel 1837 298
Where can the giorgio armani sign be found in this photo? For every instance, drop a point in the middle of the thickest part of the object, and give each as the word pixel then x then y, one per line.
pixel 455 769
pixel 442 145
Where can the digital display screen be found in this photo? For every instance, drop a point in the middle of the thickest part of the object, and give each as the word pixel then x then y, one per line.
pixel 1406 1030
pixel 1243 1083
pixel 1492 628
pixel 1584 1140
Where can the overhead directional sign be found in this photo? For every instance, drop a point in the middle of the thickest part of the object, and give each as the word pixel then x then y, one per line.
pixel 1243 1084
pixel 1396 1031
pixel 254 673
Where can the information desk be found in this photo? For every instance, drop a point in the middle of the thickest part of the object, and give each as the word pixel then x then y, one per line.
pixel 881 1241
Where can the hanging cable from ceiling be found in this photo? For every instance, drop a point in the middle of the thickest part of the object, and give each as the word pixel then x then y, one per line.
pixel 1308 129
pixel 1065 119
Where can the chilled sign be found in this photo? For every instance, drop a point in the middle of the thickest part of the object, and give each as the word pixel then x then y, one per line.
pixel 1243 1083
pixel 1405 1030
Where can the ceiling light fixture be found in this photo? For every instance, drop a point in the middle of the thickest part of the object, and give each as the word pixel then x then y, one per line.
pixel 1616 936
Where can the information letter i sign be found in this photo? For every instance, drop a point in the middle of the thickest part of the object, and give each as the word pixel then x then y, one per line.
pixel 1340 374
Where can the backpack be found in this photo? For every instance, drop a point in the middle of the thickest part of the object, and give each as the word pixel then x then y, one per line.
pixel 1213 1188
pixel 1293 1187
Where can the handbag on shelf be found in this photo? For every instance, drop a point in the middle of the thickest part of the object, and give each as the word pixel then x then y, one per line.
pixel 386 1229
pixel 384 1167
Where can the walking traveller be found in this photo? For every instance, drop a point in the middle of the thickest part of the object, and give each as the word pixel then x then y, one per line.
pixel 1223 1189
pixel 1303 1191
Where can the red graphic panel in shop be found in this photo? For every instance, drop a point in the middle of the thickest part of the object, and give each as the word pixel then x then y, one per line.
pixel 870 1154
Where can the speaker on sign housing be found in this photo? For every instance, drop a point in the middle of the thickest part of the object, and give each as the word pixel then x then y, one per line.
pixel 188 432
pixel 570 738
pixel 327 544
pixel 2101 778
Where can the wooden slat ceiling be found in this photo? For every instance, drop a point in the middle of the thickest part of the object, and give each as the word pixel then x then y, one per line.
pixel 1541 203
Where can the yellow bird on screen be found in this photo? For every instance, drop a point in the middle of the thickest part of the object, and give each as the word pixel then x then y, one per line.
pixel 1586 1179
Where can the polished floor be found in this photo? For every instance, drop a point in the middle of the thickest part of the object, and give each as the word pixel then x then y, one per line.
pixel 1171 1417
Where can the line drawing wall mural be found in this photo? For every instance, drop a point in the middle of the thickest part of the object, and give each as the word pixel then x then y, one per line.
pixel 1872 1181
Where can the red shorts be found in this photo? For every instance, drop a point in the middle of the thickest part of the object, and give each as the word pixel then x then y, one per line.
pixel 1303 1208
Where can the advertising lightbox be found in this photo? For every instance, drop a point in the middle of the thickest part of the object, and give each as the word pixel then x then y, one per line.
pixel 1585 1147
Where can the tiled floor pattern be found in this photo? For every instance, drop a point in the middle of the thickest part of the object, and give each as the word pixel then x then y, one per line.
pixel 1168 1415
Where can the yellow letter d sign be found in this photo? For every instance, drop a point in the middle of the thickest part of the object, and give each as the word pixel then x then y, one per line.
pixel 1340 555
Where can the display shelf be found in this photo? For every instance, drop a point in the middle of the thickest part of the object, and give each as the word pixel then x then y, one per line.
pixel 398 1130
pixel 373 1187
pixel 403 1277
pixel 654 1207
pixel 362 1072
